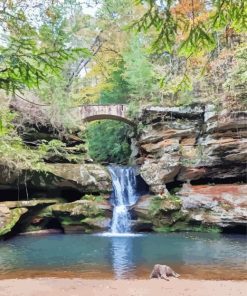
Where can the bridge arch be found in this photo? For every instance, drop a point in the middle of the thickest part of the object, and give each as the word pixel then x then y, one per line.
pixel 88 113
pixel 108 116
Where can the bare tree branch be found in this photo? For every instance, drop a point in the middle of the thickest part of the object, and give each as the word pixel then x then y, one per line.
pixel 95 47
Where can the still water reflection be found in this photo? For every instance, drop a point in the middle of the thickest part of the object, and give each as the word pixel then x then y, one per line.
pixel 122 256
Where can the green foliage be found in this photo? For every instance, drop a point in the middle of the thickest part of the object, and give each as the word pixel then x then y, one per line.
pixel 230 13
pixel 60 100
pixel 119 92
pixel 39 50
pixel 237 79
pixel 54 147
pixel 108 141
pixel 153 18
pixel 197 26
pixel 115 9
pixel 13 152
pixel 133 109
pixel 192 34
pixel 23 63
pixel 30 51
pixel 138 70
pixel 36 46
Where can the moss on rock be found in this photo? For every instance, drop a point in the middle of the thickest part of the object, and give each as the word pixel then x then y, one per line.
pixel 97 223
pixel 164 204
pixel 82 216
pixel 11 220
pixel 82 208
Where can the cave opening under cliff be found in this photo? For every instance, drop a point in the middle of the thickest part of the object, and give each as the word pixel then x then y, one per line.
pixel 174 186
pixel 54 223
pixel 141 186
pixel 211 180
pixel 236 229
pixel 29 193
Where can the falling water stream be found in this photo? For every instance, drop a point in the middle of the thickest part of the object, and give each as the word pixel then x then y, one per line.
pixel 124 195
pixel 121 253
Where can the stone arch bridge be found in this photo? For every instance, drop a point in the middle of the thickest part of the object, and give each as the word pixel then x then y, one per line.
pixel 83 113
pixel 89 113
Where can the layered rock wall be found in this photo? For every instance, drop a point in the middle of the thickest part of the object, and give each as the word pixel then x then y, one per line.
pixel 195 163
pixel 192 144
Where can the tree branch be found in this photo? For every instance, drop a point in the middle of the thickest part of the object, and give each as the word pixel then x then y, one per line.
pixel 83 62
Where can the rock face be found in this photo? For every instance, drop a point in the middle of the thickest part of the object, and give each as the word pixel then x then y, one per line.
pixel 224 205
pixel 193 145
pixel 188 144
pixel 12 212
pixel 9 218
pixel 66 162
pixel 154 212
pixel 53 215
pixel 193 160
pixel 221 207
pixel 86 178
pixel 89 177
pixel 81 216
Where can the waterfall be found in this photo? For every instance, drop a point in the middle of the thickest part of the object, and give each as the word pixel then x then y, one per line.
pixel 124 195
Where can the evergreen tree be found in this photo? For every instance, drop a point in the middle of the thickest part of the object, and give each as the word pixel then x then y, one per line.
pixel 138 71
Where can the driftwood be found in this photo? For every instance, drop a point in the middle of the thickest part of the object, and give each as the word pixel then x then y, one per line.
pixel 163 272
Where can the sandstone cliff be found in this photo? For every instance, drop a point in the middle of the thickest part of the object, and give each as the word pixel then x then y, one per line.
pixel 194 160
pixel 192 144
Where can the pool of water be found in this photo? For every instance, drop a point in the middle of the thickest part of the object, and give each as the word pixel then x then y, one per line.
pixel 211 256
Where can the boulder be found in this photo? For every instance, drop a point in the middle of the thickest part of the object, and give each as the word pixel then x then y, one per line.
pixel 81 216
pixel 42 215
pixel 156 173
pixel 223 205
pixel 29 203
pixel 156 209
pixel 142 208
pixel 97 224
pixel 83 208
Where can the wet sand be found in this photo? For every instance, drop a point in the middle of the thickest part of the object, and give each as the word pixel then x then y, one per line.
pixel 188 272
pixel 78 287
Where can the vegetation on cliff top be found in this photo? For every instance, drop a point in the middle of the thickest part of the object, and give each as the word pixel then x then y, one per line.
pixel 56 56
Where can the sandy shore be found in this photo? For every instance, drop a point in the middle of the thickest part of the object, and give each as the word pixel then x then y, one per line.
pixel 79 287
